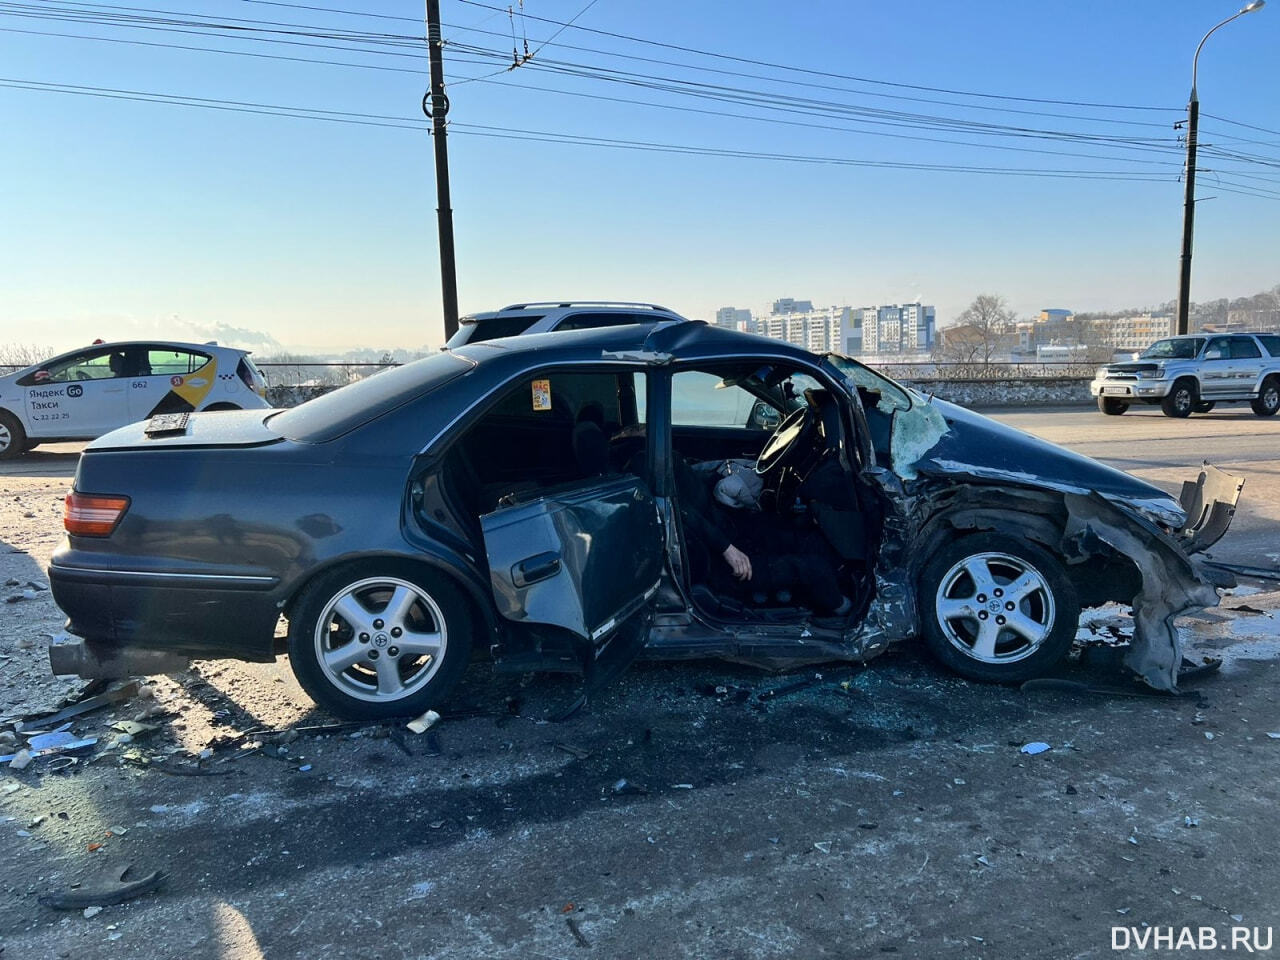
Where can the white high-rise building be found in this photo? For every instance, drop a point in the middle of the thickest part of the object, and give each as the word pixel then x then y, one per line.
pixel 837 329
pixel 735 319
pixel 906 328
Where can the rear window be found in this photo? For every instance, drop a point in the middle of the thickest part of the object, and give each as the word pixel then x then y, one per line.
pixel 585 321
pixel 330 416
pixel 493 328
pixel 1272 343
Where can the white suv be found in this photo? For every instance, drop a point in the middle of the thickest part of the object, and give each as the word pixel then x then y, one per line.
pixel 91 391
pixel 555 315
pixel 1194 372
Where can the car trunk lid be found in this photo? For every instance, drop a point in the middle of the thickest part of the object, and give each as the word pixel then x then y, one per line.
pixel 224 428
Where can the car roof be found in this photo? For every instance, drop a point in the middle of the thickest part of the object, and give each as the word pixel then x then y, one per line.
pixel 688 339
pixel 547 307
pixel 185 344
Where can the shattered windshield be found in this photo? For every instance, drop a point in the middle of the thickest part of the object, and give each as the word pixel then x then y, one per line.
pixel 882 392
pixel 1173 349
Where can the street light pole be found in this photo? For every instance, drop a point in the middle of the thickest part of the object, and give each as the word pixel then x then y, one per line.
pixel 1189 195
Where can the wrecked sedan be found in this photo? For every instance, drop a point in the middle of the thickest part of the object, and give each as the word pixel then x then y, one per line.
pixel 569 501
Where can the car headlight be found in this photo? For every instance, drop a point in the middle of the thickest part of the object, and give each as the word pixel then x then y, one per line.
pixel 1101 373
pixel 1156 374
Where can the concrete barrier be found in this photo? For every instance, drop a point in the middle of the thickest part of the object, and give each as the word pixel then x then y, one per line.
pixel 1022 392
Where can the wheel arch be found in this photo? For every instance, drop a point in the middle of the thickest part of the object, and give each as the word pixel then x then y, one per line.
pixel 1040 517
pixel 479 603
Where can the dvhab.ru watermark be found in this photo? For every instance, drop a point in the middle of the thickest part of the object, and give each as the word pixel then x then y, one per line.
pixel 1157 939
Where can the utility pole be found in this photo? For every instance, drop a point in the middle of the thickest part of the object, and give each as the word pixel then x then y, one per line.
pixel 1189 200
pixel 1188 215
pixel 436 106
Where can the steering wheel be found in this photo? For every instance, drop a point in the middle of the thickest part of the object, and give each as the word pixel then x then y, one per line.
pixel 793 436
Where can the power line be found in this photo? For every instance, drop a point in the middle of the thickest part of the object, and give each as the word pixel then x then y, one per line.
pixel 1240 124
pixel 824 73
pixel 590 96
pixel 753 98
pixel 384 120
pixel 562 25
pixel 811 84
pixel 562 29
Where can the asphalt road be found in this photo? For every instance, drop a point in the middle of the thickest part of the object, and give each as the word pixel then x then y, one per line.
pixel 687 813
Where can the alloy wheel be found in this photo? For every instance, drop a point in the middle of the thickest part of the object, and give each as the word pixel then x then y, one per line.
pixel 380 639
pixel 994 607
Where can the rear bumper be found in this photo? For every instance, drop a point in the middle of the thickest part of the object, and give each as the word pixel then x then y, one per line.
pixel 196 615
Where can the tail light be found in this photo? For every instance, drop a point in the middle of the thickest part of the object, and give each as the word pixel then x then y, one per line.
pixel 92 515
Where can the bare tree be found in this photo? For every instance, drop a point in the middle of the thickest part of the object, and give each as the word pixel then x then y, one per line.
pixel 980 333
pixel 23 354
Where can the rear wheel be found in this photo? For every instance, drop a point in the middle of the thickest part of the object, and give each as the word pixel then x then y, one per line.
pixel 379 639
pixel 1268 400
pixel 13 439
pixel 1181 400
pixel 994 607
pixel 1112 406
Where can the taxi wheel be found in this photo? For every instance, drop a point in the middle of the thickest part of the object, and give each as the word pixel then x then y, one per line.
pixel 13 439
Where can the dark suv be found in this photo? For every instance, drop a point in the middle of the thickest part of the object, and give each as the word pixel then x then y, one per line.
pixel 544 317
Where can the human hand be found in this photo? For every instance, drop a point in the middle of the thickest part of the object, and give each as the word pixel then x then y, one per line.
pixel 738 561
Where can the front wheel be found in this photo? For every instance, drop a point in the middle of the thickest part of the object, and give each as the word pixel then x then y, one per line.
pixel 1204 406
pixel 13 439
pixel 997 608
pixel 1268 400
pixel 1180 401
pixel 379 640
pixel 1112 406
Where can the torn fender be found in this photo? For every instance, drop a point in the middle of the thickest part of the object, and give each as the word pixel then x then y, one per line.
pixel 1210 504
pixel 1172 583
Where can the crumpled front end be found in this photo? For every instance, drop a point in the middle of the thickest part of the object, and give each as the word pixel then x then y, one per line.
pixel 1173 581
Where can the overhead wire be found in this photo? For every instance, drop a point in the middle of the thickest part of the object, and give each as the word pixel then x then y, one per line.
pixel 86 12
pixel 391 121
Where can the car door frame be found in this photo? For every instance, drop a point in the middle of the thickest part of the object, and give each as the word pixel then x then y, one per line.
pixel 633 630
pixel 1246 372
pixel 856 453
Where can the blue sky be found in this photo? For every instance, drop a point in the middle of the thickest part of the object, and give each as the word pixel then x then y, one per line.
pixel 139 219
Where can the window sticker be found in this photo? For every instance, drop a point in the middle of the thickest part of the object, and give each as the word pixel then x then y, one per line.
pixel 542 394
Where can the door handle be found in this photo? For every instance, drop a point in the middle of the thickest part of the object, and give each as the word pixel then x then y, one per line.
pixel 533 569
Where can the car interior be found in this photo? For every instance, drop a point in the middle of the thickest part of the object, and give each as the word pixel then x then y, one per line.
pixel 556 430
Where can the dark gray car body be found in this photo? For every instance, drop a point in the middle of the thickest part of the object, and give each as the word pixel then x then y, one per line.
pixel 229 520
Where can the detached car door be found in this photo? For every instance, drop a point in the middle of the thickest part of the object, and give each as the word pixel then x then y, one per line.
pixel 584 559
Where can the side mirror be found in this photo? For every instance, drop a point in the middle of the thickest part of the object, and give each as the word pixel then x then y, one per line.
pixel 764 417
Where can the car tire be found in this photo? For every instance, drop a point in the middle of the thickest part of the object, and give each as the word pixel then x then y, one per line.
pixel 397 638
pixel 982 638
pixel 1204 406
pixel 1112 406
pixel 1267 401
pixel 1181 400
pixel 13 439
